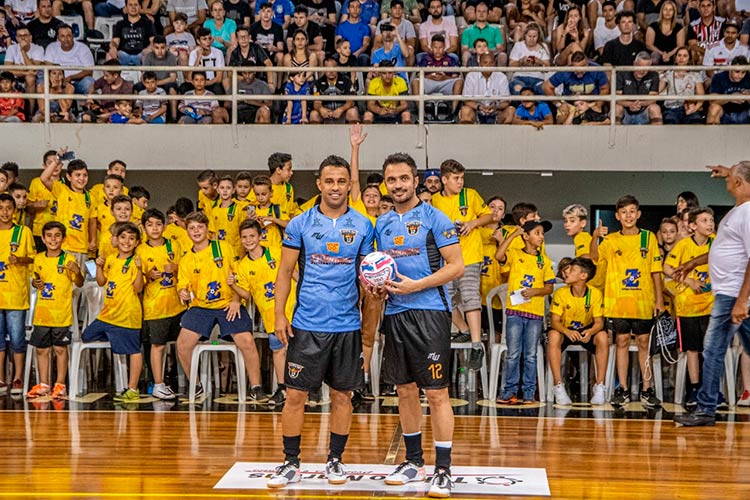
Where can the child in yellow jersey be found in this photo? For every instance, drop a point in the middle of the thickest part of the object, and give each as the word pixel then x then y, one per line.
pixel 530 279
pixel 105 216
pixel 227 214
pixel 368 203
pixel 280 172
pixel 73 207
pixel 577 319
pixel 669 235
pixel 98 191
pixel 162 308
pixel 575 217
pixel 243 186
pixel 272 217
pixel 101 214
pixel 491 277
pixel 468 211
pixel 693 298
pixel 119 321
pixel 175 230
pixel 632 265
pixel 16 251
pixel 20 196
pixel 207 194
pixel 40 201
pixel 140 197
pixel 256 280
pixel 202 281
pixel 55 273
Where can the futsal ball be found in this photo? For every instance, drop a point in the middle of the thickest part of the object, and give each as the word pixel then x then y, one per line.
pixel 377 268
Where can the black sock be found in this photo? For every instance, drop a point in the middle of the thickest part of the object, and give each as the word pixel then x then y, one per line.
pixel 442 457
pixel 414 448
pixel 280 386
pixel 291 448
pixel 338 443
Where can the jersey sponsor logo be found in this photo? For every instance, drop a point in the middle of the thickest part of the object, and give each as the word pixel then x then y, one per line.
pixel 3 268
pixel 214 291
pixel 76 222
pixel 318 236
pixel 294 370
pixel 486 265
pixel 167 280
pixel 701 276
pixel 398 240
pixel 348 222
pixel 323 259
pixel 270 290
pixel 433 356
pixel 632 278
pixel 412 227
pixel 348 235
pixel 406 252
pixel 450 233
pixel 332 246
pixel 576 325
pixel 47 290
pixel 316 223
pixel 263 234
pixel 53 208
pixel 528 281
pixel 111 289
pixel 222 234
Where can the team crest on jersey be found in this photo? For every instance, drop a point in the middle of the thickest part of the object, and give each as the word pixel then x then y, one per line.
pixel 76 222
pixel 701 276
pixel 214 291
pixel 412 227
pixel 263 234
pixel 47 290
pixel 463 210
pixel 348 235
pixel 3 268
pixel 486 265
pixel 527 281
pixel 270 290
pixel 167 280
pixel 332 247
pixel 398 240
pixel 450 233
pixel 632 278
pixel 111 289
pixel 294 369
pixel 222 235
pixel 576 325
pixel 53 208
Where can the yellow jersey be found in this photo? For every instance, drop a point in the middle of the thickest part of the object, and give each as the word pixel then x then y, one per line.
pixel 359 206
pixel 259 278
pixel 135 216
pixel 122 307
pixel 490 276
pixel 205 274
pixel 160 297
pixel 224 223
pixel 98 196
pixel 463 207
pixel 103 214
pixel 577 313
pixel 39 192
pixel 14 278
pixel 627 264
pixel 582 243
pixel 205 203
pixel 54 302
pixel 74 211
pixel 687 302
pixel 518 243
pixel 173 232
pixel 271 234
pixel 527 271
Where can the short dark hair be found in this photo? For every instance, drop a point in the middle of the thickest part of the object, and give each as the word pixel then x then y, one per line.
pixel 374 178
pixel 160 39
pixel 300 9
pixel 183 207
pixel 480 39
pixel 206 175
pixel 149 75
pixel 262 180
pixel 278 160
pixel 577 57
pixel 16 186
pixel 694 213
pixel 334 161
pixel 126 227
pixel 623 14
pixel 201 32
pixel 117 162
pixel 47 155
pixel 153 213
pixel 7 75
pixel 610 3
pixel 7 197
pixel 198 217
pixel 76 165
pixel 451 166
pixel 497 198
pixel 739 61
pixel 139 192
pixel 265 5
pixel 243 175
pixel 11 166
pixel 250 224
pixel 114 177
pixel 199 73
pixel 587 266
pixel 53 224
pixel 438 38
pixel 227 178
pixel 626 200
pixel 522 210
pixel 395 158
pixel 121 198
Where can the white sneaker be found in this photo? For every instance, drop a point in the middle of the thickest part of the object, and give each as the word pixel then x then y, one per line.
pixel 441 484
pixel 163 391
pixel 744 399
pixel 406 473
pixel 335 472
pixel 561 395
pixel 600 395
pixel 283 475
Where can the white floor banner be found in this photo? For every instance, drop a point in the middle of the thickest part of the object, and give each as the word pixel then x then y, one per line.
pixel 369 478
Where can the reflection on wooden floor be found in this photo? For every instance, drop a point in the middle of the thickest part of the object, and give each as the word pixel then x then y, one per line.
pixel 104 454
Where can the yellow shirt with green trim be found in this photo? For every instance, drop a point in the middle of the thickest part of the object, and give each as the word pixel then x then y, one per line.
pixel 74 211
pixel 135 217
pixel 122 306
pixel 20 217
pixel 687 302
pixel 179 235
pixel 14 278
pixel 259 278
pixel 582 243
pixel 527 271
pixel 464 206
pixel 627 263
pixel 39 192
pixel 518 243
pixel 205 203
pixel 224 223
pixel 490 276
pixel 271 235
pixel 577 313
pixel 103 214
pixel 98 196
pixel 205 274
pixel 160 297
pixel 54 302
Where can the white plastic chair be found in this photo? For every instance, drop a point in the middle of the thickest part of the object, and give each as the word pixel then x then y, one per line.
pixel 30 349
pixel 106 25
pixel 496 348
pixel 583 359
pixel 199 360
pixel 634 372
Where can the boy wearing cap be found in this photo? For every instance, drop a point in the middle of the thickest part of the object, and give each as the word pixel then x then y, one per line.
pixel 431 181
pixel 530 279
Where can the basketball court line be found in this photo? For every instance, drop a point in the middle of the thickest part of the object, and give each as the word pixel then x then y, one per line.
pixel 390 457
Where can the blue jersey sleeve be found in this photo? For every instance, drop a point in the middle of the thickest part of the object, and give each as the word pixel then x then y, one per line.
pixel 444 230
pixel 293 236
pixel 368 245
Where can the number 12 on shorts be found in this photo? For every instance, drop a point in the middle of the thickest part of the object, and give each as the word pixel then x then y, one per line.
pixel 436 370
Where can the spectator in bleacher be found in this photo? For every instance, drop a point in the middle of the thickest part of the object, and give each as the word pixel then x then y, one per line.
pixel 296 110
pixel 530 53
pixel 248 53
pixel 222 29
pixel 110 83
pixel 131 36
pixel 684 83
pixel 11 108
pixel 665 35
pixel 586 113
pixel 300 55
pixel 704 33
pixel 165 80
pixel 439 82
pixel 344 58
pixel 357 33
pixel 253 111
pixel 282 11
pixel 572 35
pixel 314 37
pixel 469 10
pixel 199 107
pixel 484 30
pixel 151 9
pixel 268 34
pixel 108 8
pixel 622 50
pixel 526 12
pixel 207 56
pixel 323 13
pixel 369 13
pixel 728 83
pixel 153 111
pixel 194 10
pixel 67 52
pixel 485 84
pixel 648 12
pixel 44 27
pixel 432 181
pixel 76 8
pixel 722 53
pixel 387 84
pixel 404 26
pixel 333 83
pixel 532 113
pixel 408 7
pixel 394 49
pixel 180 41
pixel 606 27
pixel 438 24
pixel 239 11
pixel 639 82
pixel 24 53
pixel 60 109
pixel 576 83
pixel 20 12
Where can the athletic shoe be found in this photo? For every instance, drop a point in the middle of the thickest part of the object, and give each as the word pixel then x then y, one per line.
pixel 461 338
pixel 561 395
pixel 163 391
pixel 722 404
pixel 283 475
pixel 335 472
pixel 198 391
pixel 38 391
pixel 649 399
pixel 314 397
pixel 744 399
pixel 60 391
pixel 406 473
pixel 128 396
pixel 17 388
pixel 621 397
pixel 600 395
pixel 692 400
pixel 441 484
pixel 3 387
pixel 695 419
pixel 257 395
pixel 512 400
pixel 278 398
pixel 366 393
pixel 476 357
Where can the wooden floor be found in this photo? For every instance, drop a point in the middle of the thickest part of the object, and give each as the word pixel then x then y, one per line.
pixel 121 454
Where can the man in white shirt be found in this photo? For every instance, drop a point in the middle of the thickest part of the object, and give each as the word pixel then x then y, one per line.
pixel 67 52
pixel 437 24
pixel 24 53
pixel 606 28
pixel 486 84
pixel 723 52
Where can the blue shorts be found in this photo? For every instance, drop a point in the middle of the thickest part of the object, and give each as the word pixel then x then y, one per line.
pixel 123 340
pixel 201 321
pixel 274 343
pixel 13 326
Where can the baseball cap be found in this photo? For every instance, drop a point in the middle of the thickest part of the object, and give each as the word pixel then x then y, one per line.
pixel 529 225
pixel 431 173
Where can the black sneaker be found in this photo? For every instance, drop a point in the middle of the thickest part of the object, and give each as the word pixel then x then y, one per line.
pixel 256 395
pixel 722 403
pixel 198 391
pixel 476 357
pixel 314 397
pixel 694 419
pixel 389 392
pixel 441 484
pixel 278 398
pixel 649 399
pixel 621 397
pixel 692 401
pixel 461 338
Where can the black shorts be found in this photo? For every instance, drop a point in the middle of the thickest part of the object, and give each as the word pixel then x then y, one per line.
pixel 316 357
pixel 622 326
pixel 589 346
pixel 47 336
pixel 691 331
pixel 417 348
pixel 160 331
pixel 246 113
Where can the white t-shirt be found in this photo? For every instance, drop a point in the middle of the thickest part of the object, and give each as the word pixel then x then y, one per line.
pixel 150 107
pixel 602 34
pixel 79 55
pixel 13 55
pixel 214 60
pixel 720 55
pixel 447 28
pixel 730 251
pixel 684 85
pixel 476 85
pixel 520 50
pixel 188 7
pixel 202 102
pixel 24 9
